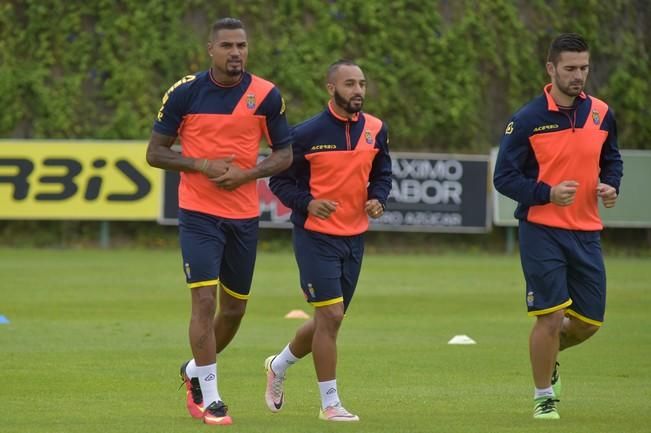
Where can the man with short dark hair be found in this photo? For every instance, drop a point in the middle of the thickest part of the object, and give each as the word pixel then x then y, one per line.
pixel 220 116
pixel 341 176
pixel 558 156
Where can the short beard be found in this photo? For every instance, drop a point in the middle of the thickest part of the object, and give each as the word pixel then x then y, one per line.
pixel 346 105
pixel 567 89
pixel 234 72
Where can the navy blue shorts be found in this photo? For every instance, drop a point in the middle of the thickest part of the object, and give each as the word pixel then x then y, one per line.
pixel 564 269
pixel 218 251
pixel 329 266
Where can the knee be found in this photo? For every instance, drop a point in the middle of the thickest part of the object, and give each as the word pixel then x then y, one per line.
pixel 203 307
pixel 329 319
pixel 551 323
pixel 233 312
pixel 581 331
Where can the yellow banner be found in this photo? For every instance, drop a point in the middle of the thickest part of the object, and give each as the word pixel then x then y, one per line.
pixel 77 180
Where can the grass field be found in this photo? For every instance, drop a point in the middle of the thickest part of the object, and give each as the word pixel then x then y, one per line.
pixel 96 338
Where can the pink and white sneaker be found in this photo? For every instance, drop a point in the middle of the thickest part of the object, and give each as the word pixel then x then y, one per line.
pixel 337 413
pixel 274 395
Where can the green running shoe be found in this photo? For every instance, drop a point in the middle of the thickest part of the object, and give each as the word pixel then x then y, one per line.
pixel 545 408
pixel 556 381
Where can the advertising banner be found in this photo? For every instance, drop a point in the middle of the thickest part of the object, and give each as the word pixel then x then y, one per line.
pixel 77 180
pixel 437 192
pixel 430 193
pixel 633 208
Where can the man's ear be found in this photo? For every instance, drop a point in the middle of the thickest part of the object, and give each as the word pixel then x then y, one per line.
pixel 551 69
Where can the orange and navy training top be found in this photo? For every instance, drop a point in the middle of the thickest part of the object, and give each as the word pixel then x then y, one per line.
pixel 545 144
pixel 339 159
pixel 215 121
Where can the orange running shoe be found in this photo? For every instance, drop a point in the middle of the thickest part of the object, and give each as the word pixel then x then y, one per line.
pixel 217 414
pixel 194 399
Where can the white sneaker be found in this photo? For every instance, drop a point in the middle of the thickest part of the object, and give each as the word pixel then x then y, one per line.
pixel 337 413
pixel 274 395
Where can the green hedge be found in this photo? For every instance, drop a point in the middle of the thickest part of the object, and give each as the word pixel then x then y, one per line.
pixel 445 75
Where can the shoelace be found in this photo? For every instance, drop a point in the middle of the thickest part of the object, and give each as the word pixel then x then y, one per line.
pixel 277 385
pixel 555 373
pixel 217 409
pixel 195 390
pixel 547 406
pixel 339 410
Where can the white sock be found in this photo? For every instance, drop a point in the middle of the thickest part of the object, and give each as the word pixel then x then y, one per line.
pixel 329 394
pixel 283 361
pixel 544 392
pixel 207 375
pixel 191 369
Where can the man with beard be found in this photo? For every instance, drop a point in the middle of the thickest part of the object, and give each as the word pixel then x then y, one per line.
pixel 558 156
pixel 220 116
pixel 340 176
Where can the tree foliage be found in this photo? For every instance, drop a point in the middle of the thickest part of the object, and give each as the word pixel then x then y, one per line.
pixel 445 75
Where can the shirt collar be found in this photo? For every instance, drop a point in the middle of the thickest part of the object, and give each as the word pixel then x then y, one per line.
pixel 218 84
pixel 355 117
pixel 551 104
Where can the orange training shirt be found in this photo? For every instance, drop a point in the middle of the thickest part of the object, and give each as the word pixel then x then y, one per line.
pixel 214 121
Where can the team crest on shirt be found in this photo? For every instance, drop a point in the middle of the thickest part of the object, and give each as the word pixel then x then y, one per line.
pixel 369 137
pixel 250 101
pixel 530 299
pixel 595 117
pixel 509 129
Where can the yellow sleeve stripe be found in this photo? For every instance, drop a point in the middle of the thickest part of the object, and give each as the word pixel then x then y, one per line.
pixel 234 294
pixel 552 309
pixel 583 318
pixel 328 302
pixel 203 284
